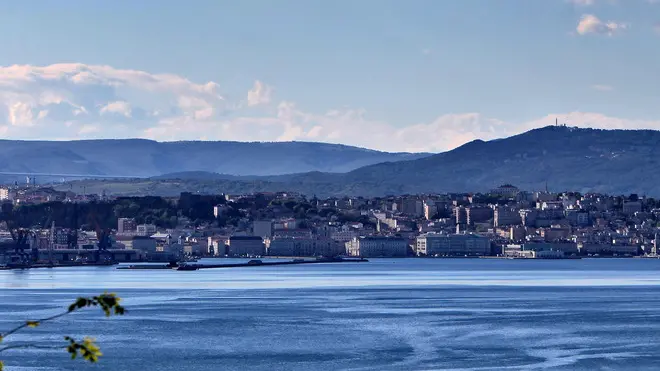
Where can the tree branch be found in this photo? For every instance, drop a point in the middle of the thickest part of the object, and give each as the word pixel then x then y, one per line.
pixel 109 303
pixel 31 346
pixel 32 324
pixel 87 348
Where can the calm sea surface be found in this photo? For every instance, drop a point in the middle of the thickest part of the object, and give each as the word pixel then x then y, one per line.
pixel 408 314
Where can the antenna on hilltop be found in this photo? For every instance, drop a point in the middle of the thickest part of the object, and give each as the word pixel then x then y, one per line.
pixel 556 121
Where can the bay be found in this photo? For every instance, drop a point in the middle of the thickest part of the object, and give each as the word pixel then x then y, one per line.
pixel 387 314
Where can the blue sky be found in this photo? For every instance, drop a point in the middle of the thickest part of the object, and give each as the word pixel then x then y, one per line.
pixel 416 72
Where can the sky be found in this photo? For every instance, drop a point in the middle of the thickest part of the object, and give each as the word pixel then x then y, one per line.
pixel 415 75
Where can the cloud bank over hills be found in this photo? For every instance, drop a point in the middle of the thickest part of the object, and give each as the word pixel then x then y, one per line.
pixel 78 101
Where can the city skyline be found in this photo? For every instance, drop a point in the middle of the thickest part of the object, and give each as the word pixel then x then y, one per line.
pixel 418 77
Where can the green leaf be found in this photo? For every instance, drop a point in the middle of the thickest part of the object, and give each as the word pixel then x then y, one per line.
pixel 80 303
pixel 88 349
pixel 109 302
pixel 32 324
pixel 2 366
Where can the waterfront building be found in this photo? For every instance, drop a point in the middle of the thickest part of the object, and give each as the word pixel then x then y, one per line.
pixel 516 251
pixel 374 247
pixel 609 249
pixel 246 246
pixel 142 243
pixel 565 247
pixel 288 246
pixel 217 245
pixel 433 244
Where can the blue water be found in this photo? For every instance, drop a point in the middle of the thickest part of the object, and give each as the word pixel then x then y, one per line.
pixel 414 314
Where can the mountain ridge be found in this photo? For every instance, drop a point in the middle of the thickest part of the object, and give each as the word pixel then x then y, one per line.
pixel 147 158
pixel 561 157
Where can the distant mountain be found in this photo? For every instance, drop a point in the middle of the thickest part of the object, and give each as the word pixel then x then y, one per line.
pixel 561 158
pixel 145 158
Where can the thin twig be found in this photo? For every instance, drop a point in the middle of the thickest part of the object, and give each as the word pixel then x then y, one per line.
pixel 27 323
pixel 31 346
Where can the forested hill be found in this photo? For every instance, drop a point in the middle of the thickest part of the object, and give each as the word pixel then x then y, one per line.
pixel 561 158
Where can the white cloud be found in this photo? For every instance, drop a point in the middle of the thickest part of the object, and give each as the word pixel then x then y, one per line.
pixel 120 107
pixel 20 114
pixel 582 2
pixel 589 23
pixel 602 87
pixel 259 94
pixel 73 101
pixel 46 97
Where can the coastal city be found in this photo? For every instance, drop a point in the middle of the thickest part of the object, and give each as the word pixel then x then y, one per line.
pixel 330 185
pixel 40 225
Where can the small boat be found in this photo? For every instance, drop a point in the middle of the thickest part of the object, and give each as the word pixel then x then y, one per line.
pixel 186 267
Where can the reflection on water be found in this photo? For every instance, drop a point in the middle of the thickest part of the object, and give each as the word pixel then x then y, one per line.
pixel 383 315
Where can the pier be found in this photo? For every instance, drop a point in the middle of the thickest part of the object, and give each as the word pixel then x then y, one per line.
pixel 251 263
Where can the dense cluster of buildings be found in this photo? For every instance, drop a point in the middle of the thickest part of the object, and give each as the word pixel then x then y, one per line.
pixel 505 222
pixel 34 194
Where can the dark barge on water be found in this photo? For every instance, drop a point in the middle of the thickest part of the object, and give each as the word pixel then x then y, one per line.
pixel 55 265
pixel 251 263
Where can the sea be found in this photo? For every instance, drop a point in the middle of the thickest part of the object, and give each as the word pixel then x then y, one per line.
pixel 385 314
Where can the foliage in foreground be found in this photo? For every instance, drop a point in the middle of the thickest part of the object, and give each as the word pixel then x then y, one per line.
pixel 87 347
